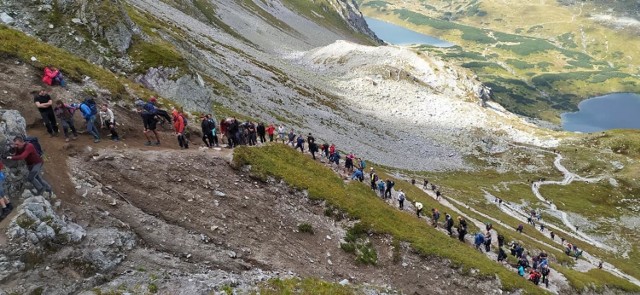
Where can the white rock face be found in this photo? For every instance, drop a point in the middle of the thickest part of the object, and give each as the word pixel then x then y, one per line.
pixel 6 19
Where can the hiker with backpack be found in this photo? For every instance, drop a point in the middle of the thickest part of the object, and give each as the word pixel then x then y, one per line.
pixel 448 221
pixel 108 121
pixel 180 128
pixel 53 76
pixel 520 228
pixel 462 228
pixel 7 206
pixel 487 241
pixel 89 112
pixel 438 195
pixel 252 134
pixel 64 113
pixel 373 177
pixel 282 133
pixel 478 240
pixel 401 198
pixel 148 113
pixel 300 143
pixel 358 174
pixel 425 184
pixel 545 271
pixel 44 103
pixel 435 215
pixel 313 147
pixel 387 192
pixel 271 129
pixel 214 131
pixel 348 163
pixel 207 127
pixel 292 138
pixel 418 209
pixel 381 188
pixel 31 153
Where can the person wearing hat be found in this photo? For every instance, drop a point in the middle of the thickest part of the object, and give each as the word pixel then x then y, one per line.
pixel 374 178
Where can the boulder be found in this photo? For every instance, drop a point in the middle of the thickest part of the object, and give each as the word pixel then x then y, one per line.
pixel 6 18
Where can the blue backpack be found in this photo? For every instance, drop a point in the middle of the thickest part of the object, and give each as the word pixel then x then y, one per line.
pixel 89 102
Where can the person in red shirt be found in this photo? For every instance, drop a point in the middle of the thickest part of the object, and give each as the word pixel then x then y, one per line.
pixel 270 131
pixel 27 152
pixel 180 127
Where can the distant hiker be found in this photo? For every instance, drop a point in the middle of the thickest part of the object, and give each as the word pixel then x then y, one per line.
pixel 373 178
pixel 348 163
pixel 487 241
pixel 89 112
pixel 500 240
pixel 529 220
pixel 520 228
pixel 426 183
pixel 433 187
pixel 300 143
pixel 435 216
pixel 438 195
pixel 262 132
pixel 252 133
pixel 207 131
pixel 478 240
pixel 576 228
pixel 387 192
pixel 6 204
pixel 292 138
pixel 45 106
pixel 335 158
pixel 418 209
pixel 362 164
pixel 521 271
pixel 325 151
pixel 214 131
pixel 332 149
pixel 180 128
pixel 271 129
pixel 108 121
pixel 413 181
pixel 401 198
pixel 313 147
pixel 501 254
pixel 282 134
pixel 541 227
pixel 53 76
pixel 148 113
pixel 448 222
pixel 545 271
pixel 27 151
pixel 553 235
pixel 600 265
pixel 358 174
pixel 381 188
pixel 500 202
pixel 462 228
pixel 534 276
pixel 561 241
pixel 65 114
pixel 488 226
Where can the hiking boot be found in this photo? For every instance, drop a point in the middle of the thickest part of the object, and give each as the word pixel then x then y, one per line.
pixel 148 143
pixel 96 140
pixel 157 143
pixel 74 137
pixel 66 139
pixel 5 213
pixel 10 206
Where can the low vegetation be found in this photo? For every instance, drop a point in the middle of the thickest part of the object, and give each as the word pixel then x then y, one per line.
pixel 304 286
pixel 305 228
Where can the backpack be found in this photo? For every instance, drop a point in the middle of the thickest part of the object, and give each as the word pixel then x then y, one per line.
pixel 36 144
pixel 89 102
pixel 401 197
pixel 184 120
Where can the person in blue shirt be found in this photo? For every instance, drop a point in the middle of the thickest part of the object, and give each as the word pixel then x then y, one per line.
pixel 357 175
pixel 90 117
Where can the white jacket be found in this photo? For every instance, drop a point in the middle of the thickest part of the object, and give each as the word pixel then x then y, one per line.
pixel 107 117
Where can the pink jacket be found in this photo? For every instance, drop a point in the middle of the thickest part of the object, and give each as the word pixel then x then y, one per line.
pixel 49 74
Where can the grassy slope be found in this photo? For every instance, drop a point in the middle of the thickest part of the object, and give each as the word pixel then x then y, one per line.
pixel 360 202
pixel 533 55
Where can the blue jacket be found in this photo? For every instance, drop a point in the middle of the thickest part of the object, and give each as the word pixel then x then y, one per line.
pixel 149 109
pixel 479 239
pixel 357 174
pixel 86 111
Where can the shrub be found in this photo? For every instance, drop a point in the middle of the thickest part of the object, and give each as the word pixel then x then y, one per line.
pixel 305 228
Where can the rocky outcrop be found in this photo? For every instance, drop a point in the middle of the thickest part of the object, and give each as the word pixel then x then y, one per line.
pixel 349 10
pixel 188 91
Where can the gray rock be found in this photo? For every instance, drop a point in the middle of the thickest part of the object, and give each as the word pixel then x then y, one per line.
pixel 186 90
pixel 7 19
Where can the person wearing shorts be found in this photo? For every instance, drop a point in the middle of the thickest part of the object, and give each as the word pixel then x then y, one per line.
pixel 149 121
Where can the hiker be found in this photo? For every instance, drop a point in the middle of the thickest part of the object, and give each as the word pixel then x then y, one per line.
pixel 381 188
pixel 401 198
pixel 426 183
pixel 462 228
pixel 233 132
pixel 300 143
pixel 418 209
pixel 534 276
pixel 478 240
pixel 214 132
pixel 108 120
pixel 148 113
pixel 207 129
pixel 387 192
pixel 373 177
pixel 6 204
pixel 335 158
pixel 362 164
pixel 435 215
pixel 324 148
pixel 282 135
pixel 545 271
pixel 433 187
pixel 262 131
pixel 541 227
pixel 500 240
pixel 520 228
pixel 179 127
pixel 553 235
pixel 348 163
pixel 45 106
pixel 65 114
pixel 313 147
pixel 501 254
pixel 448 221
pixel 332 149
pixel 89 112
pixel 488 226
pixel 292 138
pixel 413 181
pixel 252 133
pixel 27 151
pixel 487 241
pixel 561 241
pixel 271 131
pixel 438 195
pixel 357 175
pixel 521 271
pixel 53 76
pixel 600 265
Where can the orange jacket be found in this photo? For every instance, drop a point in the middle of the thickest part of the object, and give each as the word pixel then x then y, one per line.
pixel 178 121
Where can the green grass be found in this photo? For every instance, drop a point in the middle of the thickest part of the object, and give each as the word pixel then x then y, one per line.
pixel 360 202
pixel 305 228
pixel 153 55
pixel 597 279
pixel 304 286
pixel 591 200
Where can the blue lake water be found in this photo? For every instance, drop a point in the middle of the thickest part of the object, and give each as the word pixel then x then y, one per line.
pixel 612 111
pixel 394 34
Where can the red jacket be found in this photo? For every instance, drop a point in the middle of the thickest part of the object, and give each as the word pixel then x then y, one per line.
pixel 49 74
pixel 271 130
pixel 178 122
pixel 29 155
